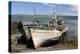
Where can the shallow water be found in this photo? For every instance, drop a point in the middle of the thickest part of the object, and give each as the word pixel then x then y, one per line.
pixel 73 27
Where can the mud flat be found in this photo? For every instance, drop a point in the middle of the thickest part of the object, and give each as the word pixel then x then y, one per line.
pixel 51 45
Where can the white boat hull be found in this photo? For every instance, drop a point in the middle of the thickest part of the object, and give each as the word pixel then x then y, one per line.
pixel 40 36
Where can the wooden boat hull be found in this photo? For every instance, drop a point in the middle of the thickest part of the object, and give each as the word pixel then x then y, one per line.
pixel 40 36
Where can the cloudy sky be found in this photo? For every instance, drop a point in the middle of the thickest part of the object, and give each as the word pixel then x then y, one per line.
pixel 42 8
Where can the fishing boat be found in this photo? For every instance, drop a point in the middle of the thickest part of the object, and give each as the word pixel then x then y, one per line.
pixel 39 36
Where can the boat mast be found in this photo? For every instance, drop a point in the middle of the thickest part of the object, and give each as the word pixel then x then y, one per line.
pixel 55 16
pixel 34 11
pixel 55 13
pixel 35 17
pixel 53 19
